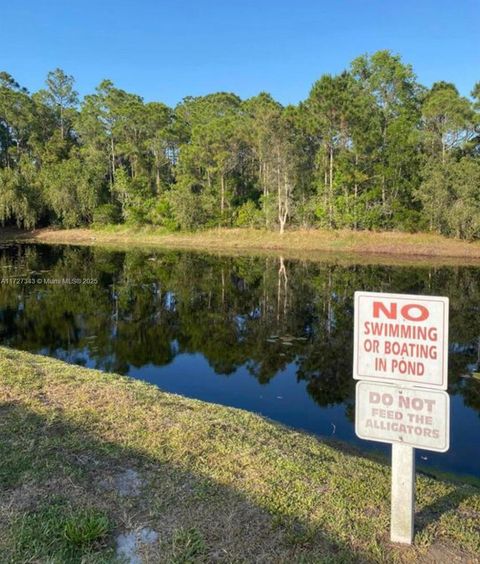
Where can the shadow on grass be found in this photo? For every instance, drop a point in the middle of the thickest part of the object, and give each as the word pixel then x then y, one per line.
pixel 52 471
pixel 432 512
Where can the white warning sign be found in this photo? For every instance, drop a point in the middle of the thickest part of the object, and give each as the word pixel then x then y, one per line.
pixel 389 413
pixel 401 338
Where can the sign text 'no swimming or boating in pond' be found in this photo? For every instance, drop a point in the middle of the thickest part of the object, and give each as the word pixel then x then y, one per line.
pixel 401 362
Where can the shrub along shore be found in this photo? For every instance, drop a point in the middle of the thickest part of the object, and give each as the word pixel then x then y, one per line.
pixel 87 456
pixel 313 244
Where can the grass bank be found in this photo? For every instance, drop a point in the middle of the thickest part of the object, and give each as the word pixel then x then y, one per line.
pixel 90 461
pixel 298 243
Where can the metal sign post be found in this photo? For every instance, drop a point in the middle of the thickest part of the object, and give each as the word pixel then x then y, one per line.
pixel 400 360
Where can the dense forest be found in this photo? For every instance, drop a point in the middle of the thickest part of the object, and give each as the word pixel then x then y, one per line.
pixel 369 148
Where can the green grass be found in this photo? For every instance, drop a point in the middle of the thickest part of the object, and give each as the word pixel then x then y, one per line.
pixel 55 532
pixel 188 546
pixel 216 483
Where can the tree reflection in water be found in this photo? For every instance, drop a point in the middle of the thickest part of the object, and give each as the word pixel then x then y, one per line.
pixel 264 314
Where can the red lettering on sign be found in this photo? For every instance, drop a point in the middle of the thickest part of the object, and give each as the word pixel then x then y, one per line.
pixel 392 314
pixel 406 309
pixel 412 312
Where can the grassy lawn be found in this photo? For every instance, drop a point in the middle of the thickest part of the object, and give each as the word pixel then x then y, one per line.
pixel 86 457
pixel 299 243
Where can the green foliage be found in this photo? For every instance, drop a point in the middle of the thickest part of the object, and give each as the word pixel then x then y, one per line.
pixel 465 213
pixel 248 215
pixel 19 201
pixel 448 120
pixel 192 205
pixel 86 527
pixel 161 214
pixel 107 214
pixel 363 151
pixel 70 190
pixel 59 533
pixel 450 197
pixel 61 98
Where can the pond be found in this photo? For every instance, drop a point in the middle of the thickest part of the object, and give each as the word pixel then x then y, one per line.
pixel 265 334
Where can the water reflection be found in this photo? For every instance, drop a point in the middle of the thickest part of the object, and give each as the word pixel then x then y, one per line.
pixel 278 332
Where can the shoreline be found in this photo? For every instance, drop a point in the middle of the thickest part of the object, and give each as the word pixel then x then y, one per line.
pixel 348 246
pixel 196 476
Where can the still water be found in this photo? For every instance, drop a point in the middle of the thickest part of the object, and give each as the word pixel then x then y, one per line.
pixel 265 334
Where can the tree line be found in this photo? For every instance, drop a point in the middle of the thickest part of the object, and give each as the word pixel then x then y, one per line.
pixel 370 148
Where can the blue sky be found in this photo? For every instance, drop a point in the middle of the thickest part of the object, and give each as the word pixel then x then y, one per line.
pixel 167 49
